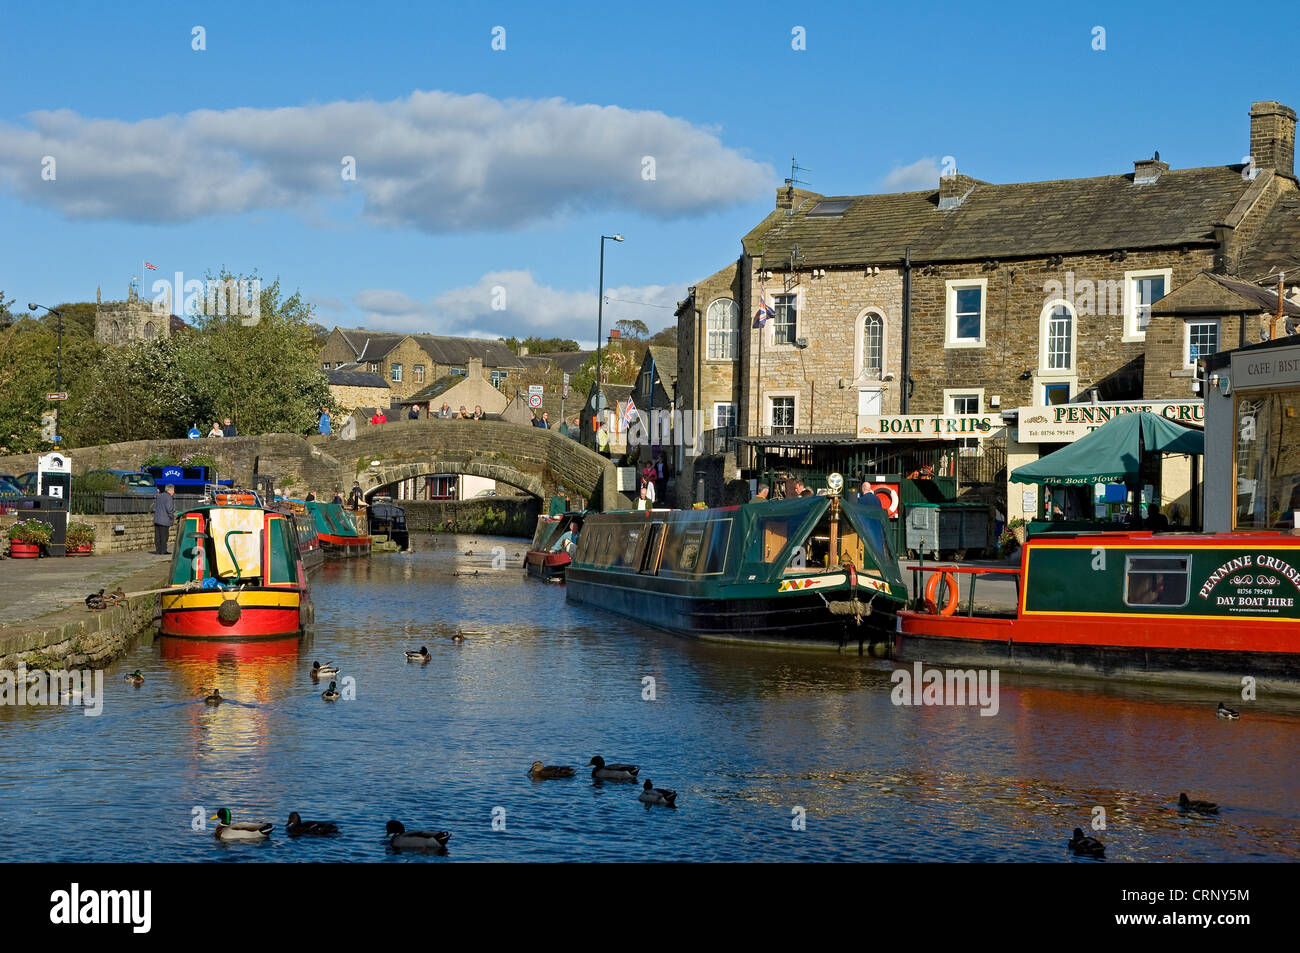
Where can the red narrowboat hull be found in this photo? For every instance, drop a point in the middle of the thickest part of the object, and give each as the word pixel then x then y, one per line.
pixel 546 565
pixel 344 547
pixel 264 613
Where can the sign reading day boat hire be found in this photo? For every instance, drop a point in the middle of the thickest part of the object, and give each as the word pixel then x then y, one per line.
pixel 1066 423
pixel 929 426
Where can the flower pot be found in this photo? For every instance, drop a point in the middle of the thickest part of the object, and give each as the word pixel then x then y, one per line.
pixel 1019 532
pixel 19 550
pixel 85 549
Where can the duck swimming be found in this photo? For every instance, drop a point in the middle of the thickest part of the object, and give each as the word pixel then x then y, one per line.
pixel 612 772
pixel 244 830
pixel 317 670
pixel 420 656
pixel 215 698
pixel 331 694
pixel 1196 807
pixel 1228 713
pixel 1086 846
pixel 653 795
pixel 135 678
pixel 458 637
pixel 298 826
pixel 550 772
pixel 399 836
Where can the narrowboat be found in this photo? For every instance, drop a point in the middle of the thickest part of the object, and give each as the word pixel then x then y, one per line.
pixel 543 559
pixel 305 525
pixel 1207 609
pixel 385 518
pixel 810 572
pixel 237 573
pixel 337 532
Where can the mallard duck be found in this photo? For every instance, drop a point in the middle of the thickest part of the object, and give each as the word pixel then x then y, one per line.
pixel 1197 807
pixel 215 698
pixel 317 670
pixel 469 552
pixel 1086 846
pixel 117 597
pixel 550 772
pixel 399 836
pixel 458 637
pixel 331 694
pixel 420 656
pixel 298 826
pixel 135 678
pixel 244 830
pixel 653 795
pixel 1225 712
pixel 96 601
pixel 612 772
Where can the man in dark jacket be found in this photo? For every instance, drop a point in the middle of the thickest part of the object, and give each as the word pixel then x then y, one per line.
pixel 164 515
pixel 227 428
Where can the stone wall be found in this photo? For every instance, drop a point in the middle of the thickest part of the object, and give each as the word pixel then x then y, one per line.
pixel 137 534
pixel 498 516
pixel 349 398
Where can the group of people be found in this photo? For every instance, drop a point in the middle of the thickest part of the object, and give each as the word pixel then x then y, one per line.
pixel 355 498
pixel 220 428
pixel 446 413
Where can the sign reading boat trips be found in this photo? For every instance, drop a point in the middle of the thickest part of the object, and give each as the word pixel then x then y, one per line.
pixel 1066 423
pixel 929 426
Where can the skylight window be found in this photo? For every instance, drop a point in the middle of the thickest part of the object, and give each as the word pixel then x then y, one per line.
pixel 832 208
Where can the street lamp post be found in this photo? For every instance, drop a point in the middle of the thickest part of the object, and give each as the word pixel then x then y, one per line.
pixel 58 360
pixel 600 309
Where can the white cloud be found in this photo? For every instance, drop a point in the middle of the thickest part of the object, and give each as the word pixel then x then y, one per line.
pixel 529 309
pixel 435 161
pixel 921 174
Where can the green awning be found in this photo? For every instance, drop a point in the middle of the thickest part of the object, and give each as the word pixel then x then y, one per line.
pixel 1111 453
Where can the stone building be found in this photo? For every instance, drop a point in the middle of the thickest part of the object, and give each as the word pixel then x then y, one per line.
pixel 410 362
pixel 469 390
pixel 975 298
pixel 121 322
pixel 352 387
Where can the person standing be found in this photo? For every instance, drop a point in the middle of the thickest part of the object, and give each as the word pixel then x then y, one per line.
pixel 648 491
pixel 324 421
pixel 564 428
pixel 602 439
pixel 643 503
pixel 216 430
pixel 355 496
pixel 575 429
pixel 338 497
pixel 164 515
pixel 228 429
pixel 760 495
pixel 414 413
pixel 444 412
pixel 546 421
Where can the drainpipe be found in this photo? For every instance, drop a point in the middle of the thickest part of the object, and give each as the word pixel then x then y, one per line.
pixel 904 375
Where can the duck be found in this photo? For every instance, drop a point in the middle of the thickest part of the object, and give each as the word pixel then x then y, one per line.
pixel 399 836
pixel 420 656
pixel 1226 712
pixel 612 772
pixel 96 601
pixel 317 670
pixel 653 795
pixel 549 772
pixel 135 678
pixel 244 830
pixel 469 552
pixel 1197 807
pixel 331 694
pixel 115 598
pixel 215 698
pixel 298 826
pixel 458 637
pixel 1086 846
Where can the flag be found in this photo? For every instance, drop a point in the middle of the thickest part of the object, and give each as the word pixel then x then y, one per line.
pixel 629 413
pixel 764 310
pixel 151 267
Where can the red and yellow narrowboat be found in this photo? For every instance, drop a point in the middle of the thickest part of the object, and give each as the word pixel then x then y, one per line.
pixel 237 573
pixel 1211 609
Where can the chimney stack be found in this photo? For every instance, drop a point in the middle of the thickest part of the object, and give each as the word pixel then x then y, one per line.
pixel 475 371
pixel 954 188
pixel 1272 137
pixel 1146 171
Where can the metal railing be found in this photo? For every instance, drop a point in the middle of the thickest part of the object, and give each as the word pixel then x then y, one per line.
pixel 716 441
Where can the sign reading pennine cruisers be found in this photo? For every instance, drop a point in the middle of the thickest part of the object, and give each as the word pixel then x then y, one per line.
pixel 1066 423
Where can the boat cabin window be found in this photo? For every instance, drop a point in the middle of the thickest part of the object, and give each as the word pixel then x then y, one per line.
pixel 652 552
pixel 1157 580
pixel 682 548
pixel 715 559
pixel 631 542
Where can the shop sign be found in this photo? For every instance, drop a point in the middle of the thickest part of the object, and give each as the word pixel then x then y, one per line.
pixel 1267 367
pixel 1066 423
pixel 928 426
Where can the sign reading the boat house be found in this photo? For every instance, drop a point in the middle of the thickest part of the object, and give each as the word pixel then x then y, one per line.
pixel 929 426
pixel 1066 423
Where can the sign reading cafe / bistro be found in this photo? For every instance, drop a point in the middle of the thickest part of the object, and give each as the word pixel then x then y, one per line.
pixel 1066 423
pixel 929 426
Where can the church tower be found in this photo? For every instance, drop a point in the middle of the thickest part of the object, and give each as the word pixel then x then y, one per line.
pixel 121 322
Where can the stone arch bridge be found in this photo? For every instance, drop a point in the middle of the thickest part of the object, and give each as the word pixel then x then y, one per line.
pixel 530 459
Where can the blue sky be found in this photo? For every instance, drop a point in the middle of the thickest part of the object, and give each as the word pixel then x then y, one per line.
pixel 478 169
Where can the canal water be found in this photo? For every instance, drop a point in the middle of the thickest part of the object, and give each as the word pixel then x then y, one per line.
pixel 776 755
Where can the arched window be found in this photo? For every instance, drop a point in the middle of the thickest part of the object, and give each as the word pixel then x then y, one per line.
pixel 1057 355
pixel 869 345
pixel 149 331
pixel 115 330
pixel 723 328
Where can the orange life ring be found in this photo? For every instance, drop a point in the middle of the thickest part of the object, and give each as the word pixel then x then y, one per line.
pixel 888 497
pixel 932 591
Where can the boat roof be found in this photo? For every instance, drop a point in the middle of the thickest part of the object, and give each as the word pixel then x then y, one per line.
pixel 1173 539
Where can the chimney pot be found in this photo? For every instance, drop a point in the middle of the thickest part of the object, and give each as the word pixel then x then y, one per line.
pixel 1272 137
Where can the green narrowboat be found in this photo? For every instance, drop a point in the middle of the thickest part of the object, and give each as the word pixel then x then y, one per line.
pixel 813 571
pixel 336 531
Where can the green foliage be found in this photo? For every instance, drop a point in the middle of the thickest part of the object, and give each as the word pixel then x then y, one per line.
pixel 138 391
pixel 538 345
pixel 80 534
pixel 96 483
pixel 619 364
pixel 667 337
pixel 31 531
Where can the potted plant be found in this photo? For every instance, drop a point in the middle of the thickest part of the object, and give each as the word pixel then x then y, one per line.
pixel 80 539
pixel 26 537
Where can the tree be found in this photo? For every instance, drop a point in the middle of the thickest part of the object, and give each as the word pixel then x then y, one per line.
pixel 666 337
pixel 28 373
pixel 137 391
pixel 538 345
pixel 632 328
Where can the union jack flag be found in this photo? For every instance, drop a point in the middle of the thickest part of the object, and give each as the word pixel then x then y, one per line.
pixel 629 413
pixel 765 310
pixel 150 266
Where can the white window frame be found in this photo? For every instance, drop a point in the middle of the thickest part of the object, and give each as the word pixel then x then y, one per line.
pixel 1131 330
pixel 1044 342
pixel 418 370
pixel 498 378
pixel 770 397
pixel 734 333
pixel 395 372
pixel 770 328
pixel 714 418
pixel 1187 338
pixel 860 344
pixel 951 288
pixel 971 447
